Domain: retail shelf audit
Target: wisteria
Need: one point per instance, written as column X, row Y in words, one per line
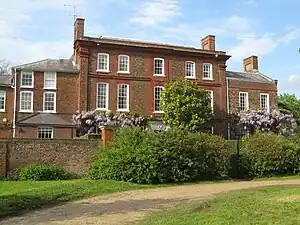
column 275, row 122
column 89, row 122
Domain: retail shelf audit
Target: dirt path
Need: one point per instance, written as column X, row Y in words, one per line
column 126, row 207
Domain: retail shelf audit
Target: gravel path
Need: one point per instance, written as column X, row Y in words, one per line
column 126, row 207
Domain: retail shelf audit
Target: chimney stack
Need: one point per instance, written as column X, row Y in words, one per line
column 209, row 43
column 78, row 29
column 251, row 64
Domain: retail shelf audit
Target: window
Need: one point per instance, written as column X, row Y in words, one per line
column 103, row 62
column 159, row 67
column 49, row 80
column 264, row 102
column 211, row 95
column 102, row 96
column 157, row 98
column 190, row 70
column 45, row 132
column 26, row 79
column 49, row 101
column 26, row 101
column 123, row 97
column 243, row 101
column 207, row 71
column 2, row 100
column 123, row 64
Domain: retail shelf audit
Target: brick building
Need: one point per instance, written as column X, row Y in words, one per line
column 128, row 76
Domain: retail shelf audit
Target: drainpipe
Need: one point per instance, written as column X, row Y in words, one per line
column 15, row 102
column 228, row 110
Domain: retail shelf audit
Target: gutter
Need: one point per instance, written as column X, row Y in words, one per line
column 15, row 102
column 228, row 107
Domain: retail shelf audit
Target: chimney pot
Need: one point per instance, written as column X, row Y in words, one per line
column 251, row 64
column 209, row 43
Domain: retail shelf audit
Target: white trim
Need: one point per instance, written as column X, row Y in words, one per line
column 41, row 127
column 267, row 102
column 32, row 76
column 247, row 100
column 210, row 71
column 3, row 110
column 50, row 88
column 154, row 98
column 194, row 70
column 127, row 99
column 163, row 67
column 30, row 110
column 128, row 65
column 49, row 111
column 107, row 64
column 107, row 96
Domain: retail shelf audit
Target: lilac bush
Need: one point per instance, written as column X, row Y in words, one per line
column 89, row 122
column 275, row 122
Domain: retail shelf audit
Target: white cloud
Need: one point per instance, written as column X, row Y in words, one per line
column 291, row 36
column 156, row 12
column 291, row 83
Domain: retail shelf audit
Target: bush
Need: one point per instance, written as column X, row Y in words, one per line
column 37, row 172
column 168, row 156
column 270, row 154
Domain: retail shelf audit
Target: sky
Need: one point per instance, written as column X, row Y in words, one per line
column 32, row 30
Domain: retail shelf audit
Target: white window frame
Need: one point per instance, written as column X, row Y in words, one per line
column 210, row 71
column 246, row 101
column 25, row 110
column 49, row 111
column 107, row 63
column 157, row 111
column 193, row 71
column 4, row 104
column 128, row 65
column 107, row 96
column 55, row 80
column 267, row 101
column 42, row 127
column 211, row 99
column 127, row 99
column 32, row 77
column 163, row 67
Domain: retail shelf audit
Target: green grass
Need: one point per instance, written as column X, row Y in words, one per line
column 19, row 196
column 261, row 206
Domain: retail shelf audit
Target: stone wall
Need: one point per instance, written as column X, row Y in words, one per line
column 73, row 155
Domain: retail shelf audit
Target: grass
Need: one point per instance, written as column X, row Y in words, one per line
column 260, row 206
column 19, row 196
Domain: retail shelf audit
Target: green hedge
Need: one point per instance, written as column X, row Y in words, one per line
column 168, row 156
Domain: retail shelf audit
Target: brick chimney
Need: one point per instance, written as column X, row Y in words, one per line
column 78, row 29
column 209, row 43
column 251, row 64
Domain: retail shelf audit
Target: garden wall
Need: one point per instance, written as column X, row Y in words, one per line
column 73, row 155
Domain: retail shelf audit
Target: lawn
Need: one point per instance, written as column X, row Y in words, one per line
column 261, row 206
column 18, row 196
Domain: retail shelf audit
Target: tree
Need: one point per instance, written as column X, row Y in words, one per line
column 290, row 104
column 186, row 106
column 4, row 67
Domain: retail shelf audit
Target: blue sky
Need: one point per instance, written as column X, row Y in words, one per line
column 38, row 29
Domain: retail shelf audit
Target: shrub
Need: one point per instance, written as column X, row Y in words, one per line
column 40, row 172
column 168, row 156
column 270, row 154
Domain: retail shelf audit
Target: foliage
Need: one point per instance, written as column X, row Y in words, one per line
column 289, row 103
column 165, row 157
column 19, row 196
column 4, row 67
column 186, row 106
column 40, row 172
column 270, row 154
column 89, row 122
column 275, row 122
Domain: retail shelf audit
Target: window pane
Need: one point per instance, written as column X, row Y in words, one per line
column 124, row 63
column 2, row 100
column 207, row 68
column 49, row 101
column 157, row 98
column 26, row 101
column 190, row 69
column 50, row 80
column 158, row 66
column 123, row 96
column 243, row 100
column 103, row 62
column 45, row 132
column 264, row 101
column 26, row 79
column 102, row 96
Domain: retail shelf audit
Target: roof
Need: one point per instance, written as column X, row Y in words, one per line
column 149, row 44
column 58, row 65
column 46, row 119
column 249, row 76
column 6, row 80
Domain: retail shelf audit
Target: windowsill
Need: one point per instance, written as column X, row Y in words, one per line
column 102, row 71
column 122, row 110
column 192, row 78
column 159, row 112
column 26, row 111
column 26, row 87
column 207, row 79
column 2, row 110
column 123, row 72
column 158, row 75
column 45, row 88
column 101, row 109
column 48, row 111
